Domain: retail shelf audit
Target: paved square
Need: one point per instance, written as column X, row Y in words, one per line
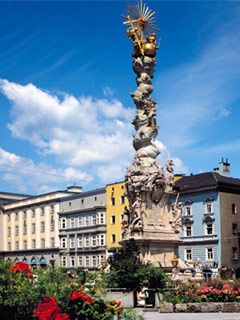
column 191, row 316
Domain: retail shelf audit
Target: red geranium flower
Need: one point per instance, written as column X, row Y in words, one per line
column 48, row 309
column 226, row 287
column 81, row 296
column 21, row 267
column 118, row 303
column 62, row 316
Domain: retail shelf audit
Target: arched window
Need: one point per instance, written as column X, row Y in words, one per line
column 209, row 205
column 42, row 261
column 188, row 208
column 16, row 260
column 25, row 260
column 33, row 261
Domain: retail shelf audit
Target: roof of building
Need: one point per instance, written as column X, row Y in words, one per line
column 8, row 197
column 84, row 194
column 208, row 181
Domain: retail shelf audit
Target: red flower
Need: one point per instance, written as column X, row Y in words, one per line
column 119, row 311
column 21, row 267
column 48, row 309
column 226, row 287
column 81, row 296
column 234, row 291
column 206, row 290
column 118, row 303
column 62, row 316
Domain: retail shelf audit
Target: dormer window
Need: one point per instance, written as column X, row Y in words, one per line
column 188, row 208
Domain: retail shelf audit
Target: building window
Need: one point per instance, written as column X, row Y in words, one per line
column 17, row 245
column 95, row 198
column 80, row 241
column 82, row 201
column 9, row 232
column 209, row 207
column 209, row 254
column 9, row 246
column 87, row 241
column 94, row 240
column 94, row 261
column 72, row 242
column 63, row 243
column 113, row 238
column 42, row 243
column 8, row 217
column 102, row 240
column 113, row 220
column 188, row 210
column 87, row 221
column 94, row 220
column 80, row 221
column 25, row 245
column 42, row 226
column 80, row 261
column 87, row 261
column 188, row 231
column 235, row 253
column 63, row 261
column 16, row 216
column 24, row 227
column 52, row 242
column 24, row 214
column 51, row 209
column 52, row 225
column 72, row 223
column 72, row 260
column 188, row 254
column 33, row 228
column 33, row 213
column 234, row 209
column 63, row 223
column 209, row 228
column 113, row 201
column 34, row 244
column 234, row 229
column 42, row 211
column 16, row 230
column 101, row 218
column 122, row 199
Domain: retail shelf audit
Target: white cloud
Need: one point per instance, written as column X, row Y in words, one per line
column 93, row 135
column 26, row 175
column 165, row 155
column 79, row 131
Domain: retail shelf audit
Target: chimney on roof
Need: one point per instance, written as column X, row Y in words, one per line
column 74, row 189
column 224, row 168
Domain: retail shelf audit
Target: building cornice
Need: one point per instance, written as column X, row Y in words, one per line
column 81, row 210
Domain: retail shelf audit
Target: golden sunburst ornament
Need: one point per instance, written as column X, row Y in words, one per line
column 142, row 31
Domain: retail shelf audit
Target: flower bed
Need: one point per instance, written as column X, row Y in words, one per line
column 51, row 294
column 186, row 294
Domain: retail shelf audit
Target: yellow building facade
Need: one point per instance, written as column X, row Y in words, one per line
column 30, row 228
column 116, row 201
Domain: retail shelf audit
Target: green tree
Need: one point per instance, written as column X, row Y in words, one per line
column 128, row 271
column 124, row 267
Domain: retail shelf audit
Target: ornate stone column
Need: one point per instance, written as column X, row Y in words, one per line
column 151, row 220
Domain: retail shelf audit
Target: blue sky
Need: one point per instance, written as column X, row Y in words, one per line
column 66, row 78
